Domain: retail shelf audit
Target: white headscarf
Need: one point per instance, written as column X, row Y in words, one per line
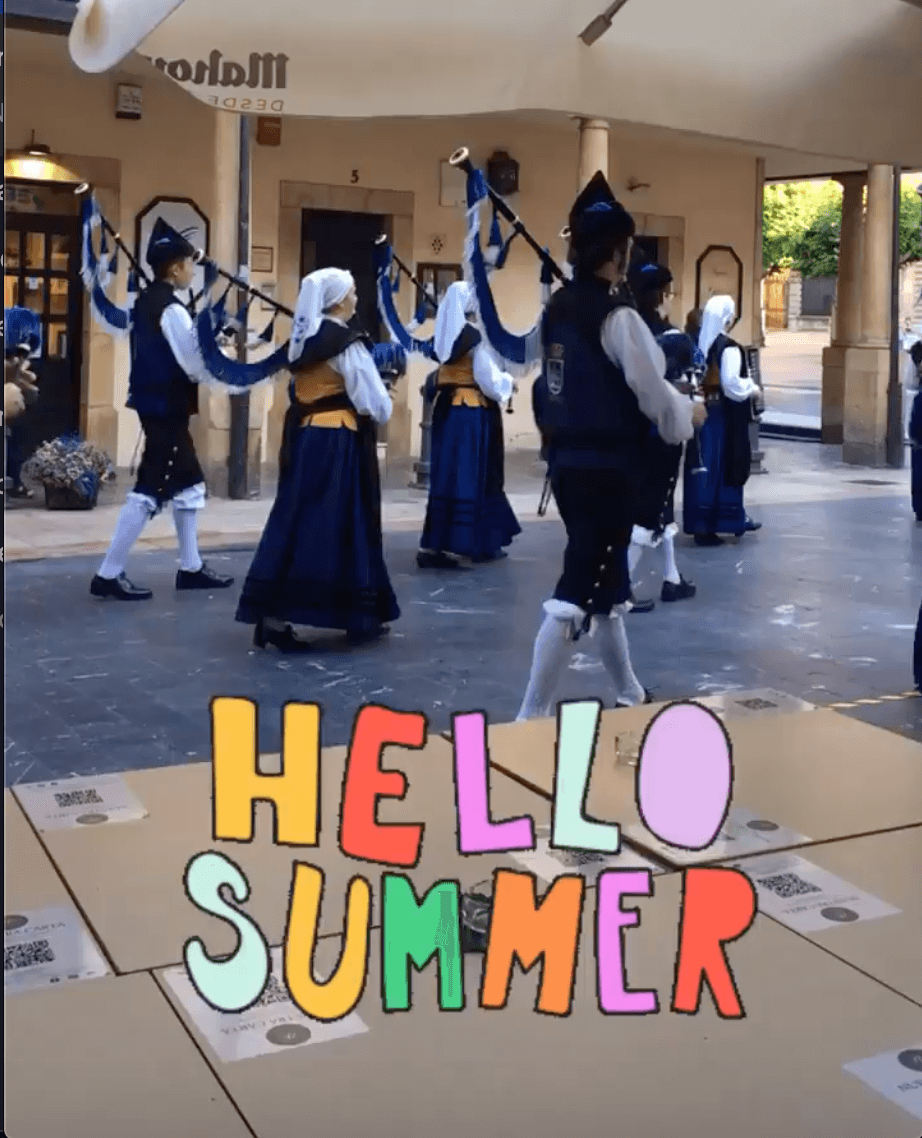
column 719, row 314
column 320, row 292
column 458, row 303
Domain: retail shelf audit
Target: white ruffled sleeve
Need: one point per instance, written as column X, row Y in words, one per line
column 364, row 385
column 179, row 332
column 629, row 344
column 735, row 386
column 495, row 384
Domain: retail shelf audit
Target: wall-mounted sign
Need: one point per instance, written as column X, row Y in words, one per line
column 719, row 272
column 185, row 217
column 262, row 258
column 268, row 131
column 129, row 101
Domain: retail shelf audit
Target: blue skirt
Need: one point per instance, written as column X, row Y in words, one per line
column 320, row 561
column 710, row 506
column 468, row 512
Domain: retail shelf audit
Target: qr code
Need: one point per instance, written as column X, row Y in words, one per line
column 77, row 798
column 274, row 993
column 27, row 955
column 788, row 885
column 583, row 857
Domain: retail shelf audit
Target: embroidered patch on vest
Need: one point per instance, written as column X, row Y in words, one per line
column 554, row 370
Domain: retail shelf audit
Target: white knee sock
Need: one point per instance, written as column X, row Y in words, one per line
column 131, row 522
column 186, row 522
column 670, row 569
column 553, row 648
column 634, row 554
column 616, row 656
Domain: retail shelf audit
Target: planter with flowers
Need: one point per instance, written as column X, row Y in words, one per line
column 71, row 472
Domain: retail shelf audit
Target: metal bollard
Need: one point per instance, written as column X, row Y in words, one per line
column 423, row 468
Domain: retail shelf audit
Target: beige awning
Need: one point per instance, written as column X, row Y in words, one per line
column 825, row 77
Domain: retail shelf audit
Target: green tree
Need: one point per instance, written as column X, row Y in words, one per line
column 789, row 208
column 815, row 251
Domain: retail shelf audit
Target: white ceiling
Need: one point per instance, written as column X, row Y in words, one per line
column 833, row 78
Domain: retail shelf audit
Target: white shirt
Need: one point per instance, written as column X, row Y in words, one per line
column 736, row 387
column 179, row 332
column 630, row 345
column 495, row 384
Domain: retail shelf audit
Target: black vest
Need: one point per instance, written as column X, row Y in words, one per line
column 158, row 388
column 589, row 417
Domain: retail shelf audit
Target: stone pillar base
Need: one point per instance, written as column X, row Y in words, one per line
column 833, row 398
column 867, row 377
column 399, row 433
column 100, row 427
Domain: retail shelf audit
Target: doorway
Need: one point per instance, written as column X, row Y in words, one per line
column 337, row 239
column 42, row 273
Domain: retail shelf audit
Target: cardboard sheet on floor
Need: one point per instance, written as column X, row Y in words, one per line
column 511, row 1072
column 761, row 701
column 108, row 1057
column 45, row 940
column 860, row 899
column 130, row 878
column 798, row 779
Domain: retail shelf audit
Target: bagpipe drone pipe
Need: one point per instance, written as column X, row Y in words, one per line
column 215, row 327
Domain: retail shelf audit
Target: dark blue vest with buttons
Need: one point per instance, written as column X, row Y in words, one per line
column 158, row 388
column 588, row 416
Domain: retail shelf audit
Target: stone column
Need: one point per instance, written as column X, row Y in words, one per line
column 847, row 330
column 867, row 365
column 593, row 149
column 212, row 430
column 758, row 323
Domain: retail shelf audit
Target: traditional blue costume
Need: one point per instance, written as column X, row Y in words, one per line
column 320, row 561
column 166, row 367
column 718, row 461
column 601, row 387
column 22, row 337
column 468, row 514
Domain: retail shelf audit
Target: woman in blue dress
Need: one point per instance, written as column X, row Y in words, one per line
column 468, row 517
column 320, row 562
column 717, row 466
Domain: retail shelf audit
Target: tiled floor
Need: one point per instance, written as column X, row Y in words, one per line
column 821, row 604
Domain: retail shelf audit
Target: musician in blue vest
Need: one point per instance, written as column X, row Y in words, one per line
column 604, row 384
column 651, row 289
column 166, row 366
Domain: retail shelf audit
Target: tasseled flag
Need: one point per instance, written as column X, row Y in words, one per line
column 268, row 333
column 494, row 249
column 395, row 281
column 519, row 354
column 229, row 373
column 388, row 311
column 90, row 266
column 114, row 319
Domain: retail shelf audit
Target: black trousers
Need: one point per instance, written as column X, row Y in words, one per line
column 917, row 653
column 169, row 463
column 598, row 510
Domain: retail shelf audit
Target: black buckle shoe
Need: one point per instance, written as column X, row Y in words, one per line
column 366, row 636
column 751, row 526
column 684, row 591
column 427, row 560
column 118, row 589
column 204, row 579
column 284, row 639
column 642, row 606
